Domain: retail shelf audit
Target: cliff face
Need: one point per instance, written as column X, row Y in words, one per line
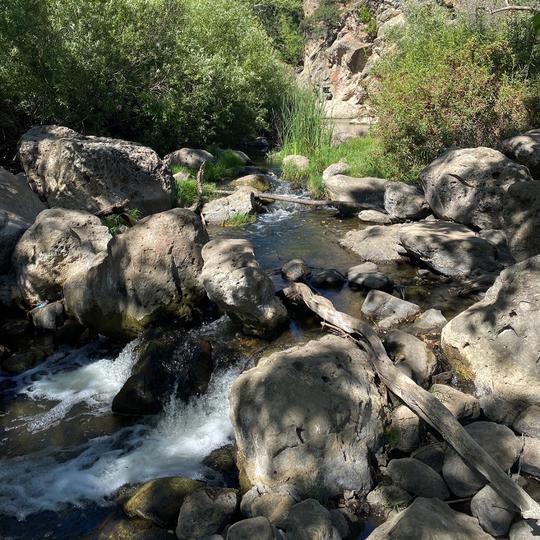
column 340, row 61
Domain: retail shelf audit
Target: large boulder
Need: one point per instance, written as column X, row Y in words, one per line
column 522, row 219
column 309, row 520
column 234, row 280
column 220, row 211
column 417, row 478
column 404, row 201
column 449, row 248
column 493, row 512
column 367, row 190
column 309, row 416
column 79, row 172
column 188, row 157
column 149, row 271
column 59, row 244
column 496, row 342
column 387, row 310
column 19, row 206
column 467, row 185
column 430, row 519
column 525, row 149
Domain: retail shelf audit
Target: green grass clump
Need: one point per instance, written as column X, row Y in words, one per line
column 294, row 174
column 365, row 16
column 114, row 222
column 175, row 169
column 237, row 220
column 186, row 191
column 225, row 165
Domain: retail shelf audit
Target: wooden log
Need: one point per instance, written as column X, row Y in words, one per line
column 117, row 208
column 424, row 404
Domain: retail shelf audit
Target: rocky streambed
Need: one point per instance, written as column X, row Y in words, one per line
column 209, row 405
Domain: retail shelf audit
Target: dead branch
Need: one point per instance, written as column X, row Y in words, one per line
column 515, row 8
column 117, row 208
column 424, row 404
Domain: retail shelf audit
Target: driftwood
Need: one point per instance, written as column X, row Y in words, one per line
column 424, row 404
column 199, row 201
column 117, row 208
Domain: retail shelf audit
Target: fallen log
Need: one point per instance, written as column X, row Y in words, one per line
column 424, row 404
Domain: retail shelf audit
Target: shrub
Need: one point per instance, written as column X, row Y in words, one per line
column 454, row 81
column 186, row 191
column 326, row 16
column 366, row 16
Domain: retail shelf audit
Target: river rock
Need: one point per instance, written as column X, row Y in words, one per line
column 261, row 182
column 405, row 201
column 118, row 527
column 336, row 168
column 467, row 185
column 160, row 500
column 363, row 276
column 461, row 405
column 449, row 248
column 188, row 157
column 417, row 478
column 378, row 243
column 367, row 190
column 524, row 530
column 430, row 322
column 498, row 239
column 384, row 500
column 206, row 511
column 309, row 520
column 80, row 172
column 295, row 270
column 497, row 440
column 234, row 280
column 404, row 429
column 522, row 219
column 150, row 271
column 530, row 457
column 253, row 528
column 496, row 342
column 59, row 244
column 403, row 348
column 493, row 513
column 219, row 211
column 19, row 207
column 286, row 433
column 429, row 519
column 525, row 149
column 374, row 216
column 387, row 310
column 328, row 279
column 299, row 163
column 274, row 505
column 432, row 455
column 48, row 317
column 528, row 422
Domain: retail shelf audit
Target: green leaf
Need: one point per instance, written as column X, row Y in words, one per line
column 536, row 23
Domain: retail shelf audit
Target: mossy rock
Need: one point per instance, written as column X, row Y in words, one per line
column 260, row 182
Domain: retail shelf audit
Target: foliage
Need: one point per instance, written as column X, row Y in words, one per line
column 454, row 80
column 237, row 220
column 161, row 72
column 366, row 16
column 226, row 164
column 175, row 169
column 326, row 16
column 115, row 222
column 186, row 191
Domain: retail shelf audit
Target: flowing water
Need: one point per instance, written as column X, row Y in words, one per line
column 63, row 454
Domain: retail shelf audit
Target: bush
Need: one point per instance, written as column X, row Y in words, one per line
column 161, row 72
column 454, row 81
column 326, row 16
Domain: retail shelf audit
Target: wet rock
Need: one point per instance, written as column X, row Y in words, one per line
column 524, row 530
column 528, row 422
column 234, row 280
column 404, row 429
column 188, row 157
column 36, row 351
column 403, row 348
column 462, row 406
column 374, row 216
column 206, row 511
column 522, row 219
column 160, row 500
column 530, row 457
column 405, row 201
column 417, row 478
column 378, row 243
column 299, row 163
column 497, row 440
column 260, row 182
column 467, row 185
column 387, row 310
column 79, row 172
column 149, row 272
column 295, row 270
column 274, row 505
column 48, row 317
column 10, row 297
column 525, row 149
column 19, row 207
column 328, row 279
column 496, row 342
column 336, row 168
column 118, row 527
column 253, row 528
column 449, row 248
column 364, row 276
column 167, row 359
column 367, row 190
column 494, row 514
column 219, row 211
column 430, row 322
column 432, row 455
column 384, row 500
column 223, row 460
column 309, row 520
column 429, row 519
column 59, row 244
column 340, row 523
column 286, row 433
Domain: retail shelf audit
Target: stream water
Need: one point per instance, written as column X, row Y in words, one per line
column 63, row 453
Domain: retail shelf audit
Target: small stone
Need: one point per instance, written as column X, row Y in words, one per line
column 374, row 216
column 530, row 457
column 417, row 478
column 273, row 505
column 188, row 157
column 258, row 528
column 309, row 520
column 48, row 317
column 335, row 168
column 493, row 512
column 385, row 499
column 260, row 182
column 363, row 277
column 328, row 279
column 431, row 321
column 462, row 406
column 528, row 422
column 295, row 270
column 432, row 455
column 387, row 310
column 404, row 429
column 405, row 201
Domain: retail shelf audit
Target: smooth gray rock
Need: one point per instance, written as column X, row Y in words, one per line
column 525, row 149
column 405, row 201
column 498, row 239
column 48, row 317
column 309, row 520
column 387, row 310
column 497, row 440
column 287, row 434
column 188, row 157
column 206, row 511
column 295, row 270
column 403, row 348
column 404, row 429
column 384, row 500
column 300, row 163
column 467, row 185
column 260, row 182
column 80, row 172
column 528, row 422
column 496, row 341
column 234, row 280
column 363, row 276
column 524, row 530
column 429, row 519
column 328, row 279
column 417, row 478
column 530, row 458
column 432, row 455
column 462, row 406
column 250, row 529
column 367, row 190
column 336, row 168
column 340, row 523
column 274, row 505
column 430, row 321
column 220, row 211
column 374, row 216
column 493, row 513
